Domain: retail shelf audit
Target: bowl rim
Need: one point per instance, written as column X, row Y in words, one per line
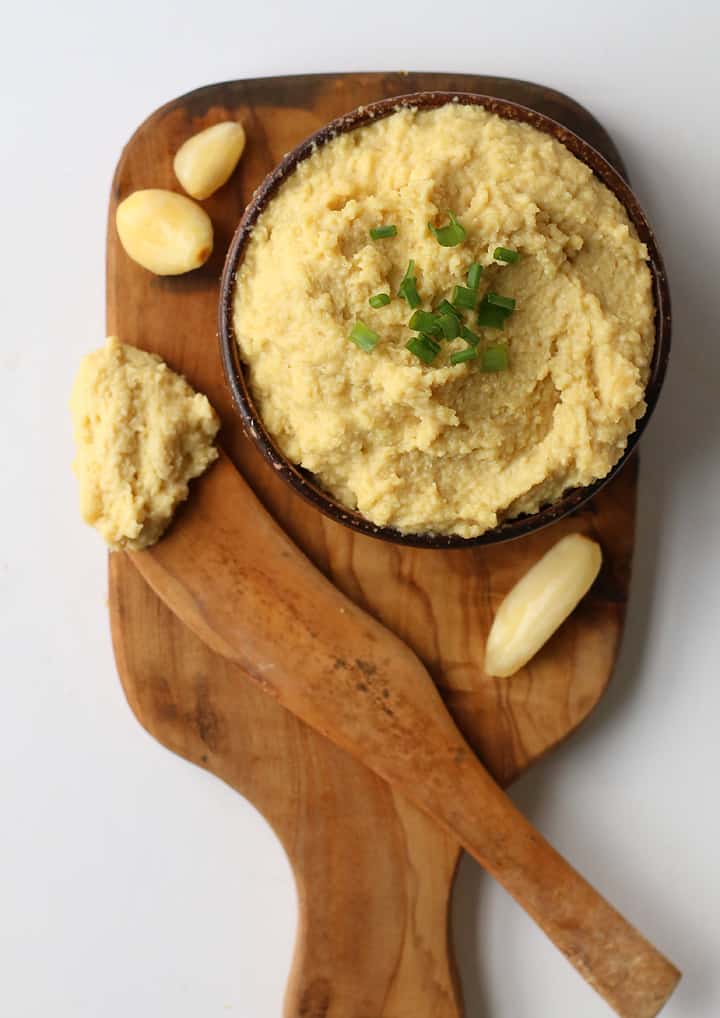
column 301, row 480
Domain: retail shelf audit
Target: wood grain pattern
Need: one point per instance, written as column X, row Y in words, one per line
column 232, row 575
column 373, row 874
column 382, row 852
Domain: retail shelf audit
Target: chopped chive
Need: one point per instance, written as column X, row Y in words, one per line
column 473, row 276
column 363, row 337
column 490, row 316
column 423, row 321
column 408, row 286
column 379, row 300
column 464, row 297
column 495, row 358
column 423, row 347
column 449, row 325
column 469, row 336
column 501, row 302
column 445, row 307
column 505, row 254
column 381, row 232
column 460, row 356
column 450, row 235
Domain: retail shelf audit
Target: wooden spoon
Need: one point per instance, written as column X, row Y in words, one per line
column 232, row 575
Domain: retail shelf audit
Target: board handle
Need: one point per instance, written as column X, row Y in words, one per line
column 373, row 873
column 372, row 938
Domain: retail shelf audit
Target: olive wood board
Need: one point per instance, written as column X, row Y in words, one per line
column 374, row 875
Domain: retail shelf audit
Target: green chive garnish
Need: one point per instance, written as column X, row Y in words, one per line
column 490, row 316
column 363, row 337
column 473, row 276
column 460, row 356
column 379, row 300
column 408, row 286
column 469, row 337
column 505, row 254
column 501, row 302
column 423, row 321
column 495, row 358
column 445, row 307
column 451, row 235
column 423, row 347
column 464, row 297
column 381, row 232
column 449, row 325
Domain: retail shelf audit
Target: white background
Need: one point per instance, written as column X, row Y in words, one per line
column 134, row 884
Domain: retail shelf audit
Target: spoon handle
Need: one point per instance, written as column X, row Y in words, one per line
column 233, row 576
column 635, row 979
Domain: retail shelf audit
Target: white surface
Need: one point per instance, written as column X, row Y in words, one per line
column 131, row 883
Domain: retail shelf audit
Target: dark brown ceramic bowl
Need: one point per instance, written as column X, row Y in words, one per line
column 302, row 481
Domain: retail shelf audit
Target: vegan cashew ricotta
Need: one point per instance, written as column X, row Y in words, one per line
column 141, row 433
column 446, row 447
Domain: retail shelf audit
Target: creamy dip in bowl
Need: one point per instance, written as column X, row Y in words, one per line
column 429, row 445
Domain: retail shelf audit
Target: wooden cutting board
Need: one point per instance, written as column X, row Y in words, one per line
column 373, row 874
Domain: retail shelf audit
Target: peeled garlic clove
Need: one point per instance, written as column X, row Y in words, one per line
column 204, row 162
column 164, row 232
column 540, row 602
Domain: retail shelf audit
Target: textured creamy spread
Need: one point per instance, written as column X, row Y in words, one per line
column 439, row 448
column 141, row 433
